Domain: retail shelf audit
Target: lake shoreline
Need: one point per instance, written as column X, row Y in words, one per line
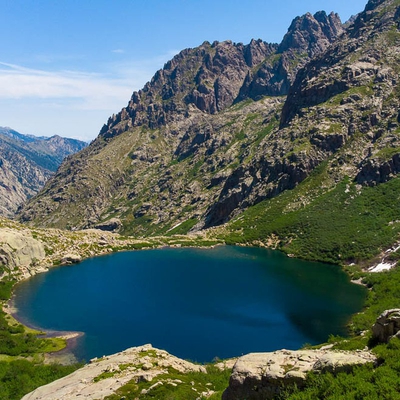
column 65, row 356
column 228, row 263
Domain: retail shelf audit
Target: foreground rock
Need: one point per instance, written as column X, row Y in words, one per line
column 260, row 376
column 102, row 377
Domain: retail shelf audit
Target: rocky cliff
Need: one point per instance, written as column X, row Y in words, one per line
column 214, row 76
column 26, row 163
column 342, row 109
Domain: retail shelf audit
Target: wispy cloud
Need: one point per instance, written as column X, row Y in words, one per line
column 90, row 90
column 118, row 51
column 74, row 102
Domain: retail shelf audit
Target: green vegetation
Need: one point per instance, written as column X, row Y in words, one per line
column 363, row 383
column 362, row 91
column 319, row 220
column 142, row 225
column 6, row 286
column 265, row 131
column 21, row 351
column 21, row 366
column 388, row 152
column 177, row 386
column 346, row 223
column 184, row 227
column 19, row 377
column 15, row 341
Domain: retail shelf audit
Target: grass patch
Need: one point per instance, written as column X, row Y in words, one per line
column 345, row 223
column 184, row 227
column 387, row 153
column 52, row 345
column 357, row 90
column 19, row 377
column 365, row 382
column 20, row 345
column 6, row 286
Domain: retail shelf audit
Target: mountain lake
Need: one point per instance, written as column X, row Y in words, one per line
column 198, row 304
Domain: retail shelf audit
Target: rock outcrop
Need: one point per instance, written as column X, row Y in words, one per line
column 102, row 377
column 342, row 109
column 255, row 376
column 387, row 326
column 262, row 376
column 213, row 76
column 71, row 259
column 112, row 225
column 307, row 36
column 20, row 253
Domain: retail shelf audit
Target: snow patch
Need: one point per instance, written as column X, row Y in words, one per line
column 383, row 266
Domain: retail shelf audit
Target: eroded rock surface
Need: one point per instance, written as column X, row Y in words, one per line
column 261, row 376
column 164, row 159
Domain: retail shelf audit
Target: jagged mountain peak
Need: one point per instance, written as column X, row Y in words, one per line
column 212, row 77
column 372, row 39
column 7, row 131
column 312, row 33
column 183, row 106
column 372, row 4
column 208, row 78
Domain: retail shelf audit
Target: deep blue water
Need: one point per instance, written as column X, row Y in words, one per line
column 195, row 303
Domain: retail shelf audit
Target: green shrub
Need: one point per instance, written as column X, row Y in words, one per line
column 20, row 377
column 343, row 224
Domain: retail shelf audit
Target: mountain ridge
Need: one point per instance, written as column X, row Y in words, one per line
column 27, row 162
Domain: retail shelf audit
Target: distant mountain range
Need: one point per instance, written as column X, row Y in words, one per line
column 26, row 163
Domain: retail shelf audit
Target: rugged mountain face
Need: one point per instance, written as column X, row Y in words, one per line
column 307, row 36
column 214, row 133
column 168, row 153
column 214, row 76
column 26, row 162
column 341, row 109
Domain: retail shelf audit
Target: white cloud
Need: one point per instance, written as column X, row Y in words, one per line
column 70, row 103
column 90, row 91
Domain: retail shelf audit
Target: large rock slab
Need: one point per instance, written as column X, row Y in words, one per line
column 102, row 377
column 261, row 376
column 20, row 252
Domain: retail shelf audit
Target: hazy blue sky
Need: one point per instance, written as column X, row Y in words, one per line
column 67, row 65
